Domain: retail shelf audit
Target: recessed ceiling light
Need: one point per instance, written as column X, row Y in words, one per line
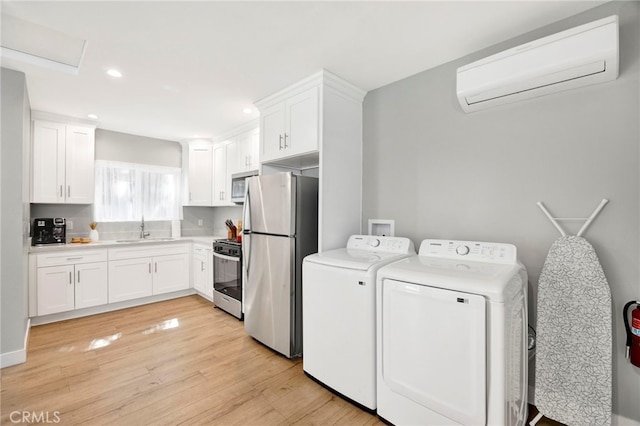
column 247, row 110
column 114, row 73
column 93, row 116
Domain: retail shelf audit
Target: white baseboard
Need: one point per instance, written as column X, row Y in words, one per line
column 17, row 357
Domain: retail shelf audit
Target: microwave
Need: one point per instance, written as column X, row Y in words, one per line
column 239, row 185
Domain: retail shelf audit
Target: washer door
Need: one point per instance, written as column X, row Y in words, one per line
column 433, row 349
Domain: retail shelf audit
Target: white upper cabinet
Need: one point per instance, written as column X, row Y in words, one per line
column 223, row 154
column 290, row 127
column 79, row 165
column 200, row 174
column 248, row 151
column 210, row 165
column 62, row 163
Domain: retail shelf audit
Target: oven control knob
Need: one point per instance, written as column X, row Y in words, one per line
column 462, row 250
column 374, row 242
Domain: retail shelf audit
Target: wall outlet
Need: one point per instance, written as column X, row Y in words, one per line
column 200, row 222
column 69, row 224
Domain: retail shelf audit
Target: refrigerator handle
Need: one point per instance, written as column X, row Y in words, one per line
column 246, row 209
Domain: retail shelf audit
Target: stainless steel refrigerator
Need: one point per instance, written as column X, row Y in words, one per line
column 280, row 229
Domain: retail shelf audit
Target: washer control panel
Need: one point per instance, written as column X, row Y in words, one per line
column 469, row 250
column 379, row 243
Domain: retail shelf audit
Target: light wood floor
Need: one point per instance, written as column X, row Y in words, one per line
column 175, row 362
column 169, row 363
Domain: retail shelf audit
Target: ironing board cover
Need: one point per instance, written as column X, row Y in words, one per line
column 573, row 356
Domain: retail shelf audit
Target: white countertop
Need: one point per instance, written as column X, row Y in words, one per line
column 208, row 239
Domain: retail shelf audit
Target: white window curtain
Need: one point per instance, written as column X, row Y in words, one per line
column 127, row 191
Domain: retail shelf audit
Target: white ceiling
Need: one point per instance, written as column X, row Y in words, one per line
column 191, row 67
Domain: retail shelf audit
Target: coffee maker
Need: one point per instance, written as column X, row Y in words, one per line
column 51, row 230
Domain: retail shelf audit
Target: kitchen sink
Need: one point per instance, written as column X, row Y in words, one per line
column 142, row 240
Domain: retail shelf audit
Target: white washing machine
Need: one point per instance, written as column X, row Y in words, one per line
column 339, row 314
column 452, row 336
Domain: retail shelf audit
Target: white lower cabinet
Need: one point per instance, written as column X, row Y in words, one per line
column 66, row 280
column 72, row 280
column 91, row 285
column 202, row 270
column 130, row 279
column 55, row 289
column 170, row 273
column 140, row 272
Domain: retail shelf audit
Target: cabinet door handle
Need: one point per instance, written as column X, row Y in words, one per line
column 201, row 265
column 61, row 194
column 149, row 267
column 280, row 143
column 69, row 186
column 70, row 277
column 74, row 258
column 78, row 277
column 285, row 141
column 156, row 267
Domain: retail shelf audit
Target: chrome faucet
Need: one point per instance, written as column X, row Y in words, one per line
column 142, row 233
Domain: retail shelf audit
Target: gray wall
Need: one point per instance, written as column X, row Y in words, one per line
column 115, row 146
column 441, row 173
column 14, row 198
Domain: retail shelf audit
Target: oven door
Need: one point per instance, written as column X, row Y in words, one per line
column 227, row 275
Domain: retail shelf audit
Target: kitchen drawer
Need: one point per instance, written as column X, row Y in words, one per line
column 133, row 252
column 70, row 258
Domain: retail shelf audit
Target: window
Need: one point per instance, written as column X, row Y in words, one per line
column 127, row 191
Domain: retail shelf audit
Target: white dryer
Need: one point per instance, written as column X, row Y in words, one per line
column 452, row 336
column 339, row 314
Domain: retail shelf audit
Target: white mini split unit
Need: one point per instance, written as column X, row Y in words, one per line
column 580, row 56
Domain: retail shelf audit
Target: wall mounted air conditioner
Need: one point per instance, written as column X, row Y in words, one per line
column 580, row 56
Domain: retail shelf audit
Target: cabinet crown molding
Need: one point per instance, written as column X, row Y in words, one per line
column 50, row 116
column 238, row 130
column 322, row 78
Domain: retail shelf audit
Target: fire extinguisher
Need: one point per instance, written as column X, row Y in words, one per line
column 633, row 332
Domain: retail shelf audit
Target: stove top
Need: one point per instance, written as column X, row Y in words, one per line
column 231, row 241
column 228, row 247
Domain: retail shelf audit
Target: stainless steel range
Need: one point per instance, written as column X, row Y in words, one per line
column 227, row 276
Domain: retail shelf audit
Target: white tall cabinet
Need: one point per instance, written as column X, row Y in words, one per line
column 63, row 158
column 315, row 127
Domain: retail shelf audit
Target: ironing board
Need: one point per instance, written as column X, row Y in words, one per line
column 574, row 334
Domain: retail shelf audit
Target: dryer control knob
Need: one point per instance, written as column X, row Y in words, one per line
column 374, row 242
column 462, row 250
